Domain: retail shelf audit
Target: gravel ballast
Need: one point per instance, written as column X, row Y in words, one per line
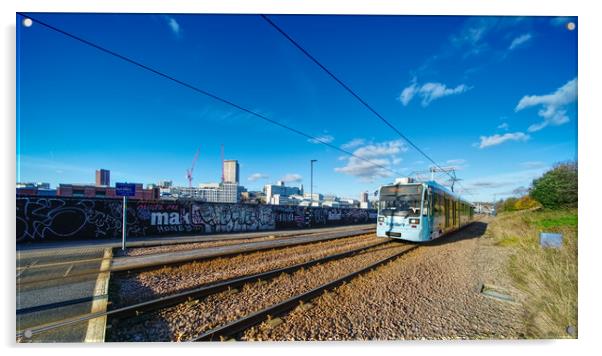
column 191, row 319
column 430, row 293
column 132, row 288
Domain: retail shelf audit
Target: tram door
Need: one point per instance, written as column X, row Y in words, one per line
column 430, row 213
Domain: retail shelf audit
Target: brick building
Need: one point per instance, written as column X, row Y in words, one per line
column 94, row 191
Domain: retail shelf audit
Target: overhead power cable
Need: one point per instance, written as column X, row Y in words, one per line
column 206, row 93
column 348, row 89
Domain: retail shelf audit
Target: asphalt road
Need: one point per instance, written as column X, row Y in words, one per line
column 57, row 298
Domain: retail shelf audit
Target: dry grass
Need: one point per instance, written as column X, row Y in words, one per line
column 547, row 276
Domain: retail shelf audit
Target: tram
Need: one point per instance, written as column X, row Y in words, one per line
column 420, row 211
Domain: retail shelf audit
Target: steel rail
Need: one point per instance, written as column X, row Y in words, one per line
column 170, row 300
column 143, row 266
column 253, row 319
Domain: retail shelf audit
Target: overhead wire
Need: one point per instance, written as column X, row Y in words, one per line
column 206, row 93
column 351, row 91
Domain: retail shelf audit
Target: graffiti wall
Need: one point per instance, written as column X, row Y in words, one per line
column 295, row 216
column 40, row 219
column 54, row 218
column 201, row 218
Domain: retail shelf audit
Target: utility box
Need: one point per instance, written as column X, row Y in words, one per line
column 547, row 239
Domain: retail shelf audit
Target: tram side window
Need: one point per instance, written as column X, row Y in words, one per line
column 445, row 211
column 455, row 212
column 438, row 204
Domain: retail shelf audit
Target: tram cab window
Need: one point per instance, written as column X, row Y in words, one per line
column 401, row 200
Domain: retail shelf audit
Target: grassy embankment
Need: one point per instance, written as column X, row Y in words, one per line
column 548, row 277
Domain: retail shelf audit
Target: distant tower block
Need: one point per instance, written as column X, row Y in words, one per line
column 231, row 171
column 103, row 177
column 363, row 197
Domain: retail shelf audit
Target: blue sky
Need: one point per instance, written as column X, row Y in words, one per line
column 495, row 97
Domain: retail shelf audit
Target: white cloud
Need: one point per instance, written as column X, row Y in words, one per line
column 429, row 92
column 553, row 106
column 520, row 40
column 292, row 178
column 456, row 161
column 503, row 126
column 321, row 139
column 457, row 164
column 473, row 32
column 370, row 160
column 257, row 176
column 353, row 143
column 487, row 141
column 174, row 26
column 407, row 94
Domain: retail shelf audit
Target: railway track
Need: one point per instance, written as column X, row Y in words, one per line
column 87, row 267
column 238, row 326
column 142, row 308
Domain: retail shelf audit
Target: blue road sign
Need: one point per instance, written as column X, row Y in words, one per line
column 550, row 240
column 125, row 189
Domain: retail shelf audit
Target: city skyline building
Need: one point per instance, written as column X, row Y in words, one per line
column 103, row 177
column 97, row 191
column 208, row 192
column 363, row 197
column 280, row 190
column 231, row 171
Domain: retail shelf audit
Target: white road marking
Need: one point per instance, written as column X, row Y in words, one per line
column 26, row 268
column 96, row 327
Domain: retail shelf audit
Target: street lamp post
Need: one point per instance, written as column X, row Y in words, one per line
column 311, row 185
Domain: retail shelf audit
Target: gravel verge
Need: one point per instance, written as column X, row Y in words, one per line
column 430, row 293
column 191, row 319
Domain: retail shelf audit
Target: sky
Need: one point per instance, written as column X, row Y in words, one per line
column 493, row 97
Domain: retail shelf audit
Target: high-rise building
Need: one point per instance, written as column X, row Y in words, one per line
column 363, row 197
column 231, row 171
column 103, row 177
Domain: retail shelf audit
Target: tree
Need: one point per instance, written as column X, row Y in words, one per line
column 508, row 204
column 557, row 188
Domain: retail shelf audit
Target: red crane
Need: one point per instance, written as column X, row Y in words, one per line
column 191, row 169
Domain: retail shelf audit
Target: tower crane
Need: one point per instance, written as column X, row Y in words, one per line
column 191, row 169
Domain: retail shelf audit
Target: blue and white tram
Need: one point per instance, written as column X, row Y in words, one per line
column 420, row 211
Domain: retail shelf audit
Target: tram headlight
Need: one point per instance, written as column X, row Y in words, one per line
column 381, row 219
column 414, row 221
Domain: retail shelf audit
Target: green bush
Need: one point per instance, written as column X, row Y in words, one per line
column 557, row 188
column 509, row 204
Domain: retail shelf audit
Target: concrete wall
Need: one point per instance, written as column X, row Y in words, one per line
column 58, row 218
